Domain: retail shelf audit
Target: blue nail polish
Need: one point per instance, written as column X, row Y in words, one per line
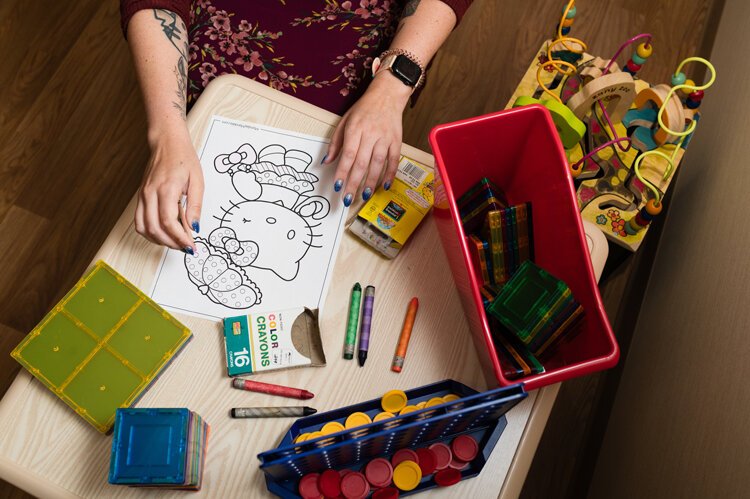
column 196, row 226
column 367, row 194
column 324, row 159
column 338, row 185
column 387, row 186
column 347, row 200
column 188, row 250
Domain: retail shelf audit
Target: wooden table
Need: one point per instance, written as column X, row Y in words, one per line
column 50, row 451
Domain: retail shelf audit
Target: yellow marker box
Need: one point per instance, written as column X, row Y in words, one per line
column 387, row 220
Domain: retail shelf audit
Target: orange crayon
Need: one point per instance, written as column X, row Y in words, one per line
column 403, row 339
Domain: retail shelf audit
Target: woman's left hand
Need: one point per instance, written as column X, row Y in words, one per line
column 368, row 138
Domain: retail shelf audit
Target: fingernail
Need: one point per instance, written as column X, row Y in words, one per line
column 196, row 226
column 347, row 200
column 337, row 186
column 188, row 250
column 367, row 193
column 324, row 159
column 387, row 186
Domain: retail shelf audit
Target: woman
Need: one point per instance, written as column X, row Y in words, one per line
column 321, row 51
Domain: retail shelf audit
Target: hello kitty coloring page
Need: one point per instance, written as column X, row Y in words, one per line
column 271, row 225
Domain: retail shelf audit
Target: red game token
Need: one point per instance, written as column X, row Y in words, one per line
column 354, row 486
column 465, row 448
column 308, row 486
column 458, row 464
column 386, row 493
column 329, row 483
column 379, row 472
column 446, row 478
column 404, row 455
column 427, row 461
column 344, row 472
column 443, row 455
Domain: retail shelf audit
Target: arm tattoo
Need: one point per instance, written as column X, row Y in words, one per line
column 174, row 29
column 409, row 9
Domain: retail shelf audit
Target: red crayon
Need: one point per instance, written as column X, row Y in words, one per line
column 281, row 391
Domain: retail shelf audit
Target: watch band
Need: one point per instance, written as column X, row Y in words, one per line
column 386, row 59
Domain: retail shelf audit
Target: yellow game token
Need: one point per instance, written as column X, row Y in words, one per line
column 408, row 409
column 450, row 397
column 393, row 401
column 314, row 435
column 421, row 405
column 435, row 401
column 301, row 438
column 381, row 416
column 406, row 475
column 357, row 419
column 332, row 427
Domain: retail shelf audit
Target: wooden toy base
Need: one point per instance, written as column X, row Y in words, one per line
column 608, row 191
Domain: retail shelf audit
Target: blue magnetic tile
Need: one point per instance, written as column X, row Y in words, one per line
column 149, row 446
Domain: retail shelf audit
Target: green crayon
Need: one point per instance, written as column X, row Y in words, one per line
column 351, row 324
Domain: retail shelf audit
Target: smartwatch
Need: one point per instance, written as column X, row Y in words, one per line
column 402, row 66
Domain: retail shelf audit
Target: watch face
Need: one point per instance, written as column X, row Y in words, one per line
column 406, row 70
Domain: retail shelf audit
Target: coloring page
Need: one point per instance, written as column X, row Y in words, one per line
column 270, row 226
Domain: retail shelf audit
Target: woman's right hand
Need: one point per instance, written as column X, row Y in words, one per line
column 173, row 171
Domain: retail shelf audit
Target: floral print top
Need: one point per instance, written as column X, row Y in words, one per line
column 320, row 51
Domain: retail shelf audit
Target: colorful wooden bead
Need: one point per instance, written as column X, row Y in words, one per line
column 646, row 216
column 637, row 59
column 652, row 208
column 689, row 89
column 692, row 104
column 565, row 30
column 567, row 22
column 571, row 13
column 696, row 96
column 639, row 220
column 633, row 67
column 678, row 79
column 629, row 229
column 644, row 50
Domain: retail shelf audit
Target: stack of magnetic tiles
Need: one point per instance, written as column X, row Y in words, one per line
column 500, row 236
column 537, row 309
column 530, row 311
column 163, row 448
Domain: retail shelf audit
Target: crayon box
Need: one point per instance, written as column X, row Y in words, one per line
column 269, row 341
column 387, row 220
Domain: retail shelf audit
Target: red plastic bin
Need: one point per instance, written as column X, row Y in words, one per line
column 520, row 151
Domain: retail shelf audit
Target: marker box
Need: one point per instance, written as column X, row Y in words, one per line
column 390, row 217
column 269, row 341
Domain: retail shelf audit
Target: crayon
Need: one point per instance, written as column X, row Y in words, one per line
column 351, row 324
column 364, row 332
column 403, row 339
column 271, row 389
column 272, row 412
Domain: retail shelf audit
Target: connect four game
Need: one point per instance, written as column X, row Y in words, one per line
column 101, row 346
column 462, row 412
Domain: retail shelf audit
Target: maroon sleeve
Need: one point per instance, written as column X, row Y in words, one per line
column 459, row 7
column 129, row 7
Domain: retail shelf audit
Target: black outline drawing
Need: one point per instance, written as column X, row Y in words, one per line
column 219, row 279
column 272, row 226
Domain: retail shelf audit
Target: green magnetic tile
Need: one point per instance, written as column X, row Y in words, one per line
column 526, row 298
column 146, row 338
column 103, row 385
column 563, row 302
column 58, row 348
column 101, row 302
